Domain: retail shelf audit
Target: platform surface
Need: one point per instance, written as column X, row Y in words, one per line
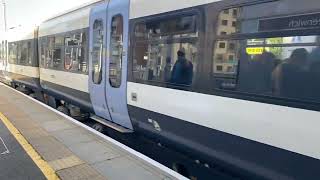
column 72, row 151
column 14, row 161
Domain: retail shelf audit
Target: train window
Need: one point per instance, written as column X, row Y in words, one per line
column 224, row 27
column 286, row 66
column 70, row 51
column 75, row 60
column 12, row 52
column 69, row 58
column 81, row 55
column 23, row 53
column 59, row 41
column 116, row 47
column 97, row 51
column 30, row 52
column 51, row 42
column 80, row 64
column 56, row 60
column 42, row 49
column 50, row 55
column 81, row 60
column 170, row 58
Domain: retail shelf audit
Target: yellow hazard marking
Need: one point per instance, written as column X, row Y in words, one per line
column 48, row 172
column 254, row 50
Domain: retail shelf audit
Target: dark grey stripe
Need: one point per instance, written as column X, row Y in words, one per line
column 30, row 82
column 72, row 96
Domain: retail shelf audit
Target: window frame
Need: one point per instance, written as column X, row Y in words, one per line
column 199, row 18
column 120, row 60
column 101, row 53
column 44, row 50
column 262, row 98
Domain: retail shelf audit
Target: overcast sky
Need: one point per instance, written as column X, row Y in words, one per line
column 30, row 12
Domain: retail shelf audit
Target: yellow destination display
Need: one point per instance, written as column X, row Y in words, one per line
column 254, row 50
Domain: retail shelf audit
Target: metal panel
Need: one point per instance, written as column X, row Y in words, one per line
column 117, row 96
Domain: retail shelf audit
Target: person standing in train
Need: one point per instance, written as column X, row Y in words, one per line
column 182, row 72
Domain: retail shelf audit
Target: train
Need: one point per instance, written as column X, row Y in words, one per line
column 232, row 83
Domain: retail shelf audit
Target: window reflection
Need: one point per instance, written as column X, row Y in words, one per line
column 228, row 21
column 116, row 49
column 163, row 63
column 284, row 66
column 166, row 51
column 97, row 51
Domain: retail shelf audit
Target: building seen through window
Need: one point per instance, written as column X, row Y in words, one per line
column 225, row 53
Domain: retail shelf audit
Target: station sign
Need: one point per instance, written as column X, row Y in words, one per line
column 307, row 21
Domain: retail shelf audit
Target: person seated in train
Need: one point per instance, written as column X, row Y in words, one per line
column 313, row 76
column 290, row 76
column 182, row 72
column 256, row 74
column 261, row 69
column 313, row 81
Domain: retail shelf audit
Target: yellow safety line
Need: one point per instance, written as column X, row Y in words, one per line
column 48, row 172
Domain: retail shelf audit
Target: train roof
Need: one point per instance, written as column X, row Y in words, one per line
column 73, row 19
column 78, row 17
column 141, row 8
column 69, row 11
column 21, row 33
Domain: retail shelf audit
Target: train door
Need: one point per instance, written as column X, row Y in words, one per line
column 97, row 60
column 116, row 84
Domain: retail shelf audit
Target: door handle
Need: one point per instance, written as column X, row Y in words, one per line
column 52, row 76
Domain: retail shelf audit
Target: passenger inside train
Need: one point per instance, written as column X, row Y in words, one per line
column 182, row 72
column 294, row 77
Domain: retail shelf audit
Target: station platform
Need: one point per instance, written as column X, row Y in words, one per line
column 38, row 142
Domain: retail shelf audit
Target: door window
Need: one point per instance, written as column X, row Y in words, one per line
column 97, row 51
column 116, row 47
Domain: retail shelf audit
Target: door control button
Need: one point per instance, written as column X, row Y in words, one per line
column 134, row 97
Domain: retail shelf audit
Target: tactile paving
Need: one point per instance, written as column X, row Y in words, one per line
column 81, row 172
column 65, row 163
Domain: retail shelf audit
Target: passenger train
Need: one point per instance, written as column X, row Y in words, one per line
column 232, row 83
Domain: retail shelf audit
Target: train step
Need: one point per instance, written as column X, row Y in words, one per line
column 111, row 124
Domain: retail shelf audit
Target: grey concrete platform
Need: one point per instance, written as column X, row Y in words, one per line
column 73, row 151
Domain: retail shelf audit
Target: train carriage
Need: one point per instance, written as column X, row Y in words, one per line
column 234, row 84
column 253, row 101
column 21, row 68
column 64, row 57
